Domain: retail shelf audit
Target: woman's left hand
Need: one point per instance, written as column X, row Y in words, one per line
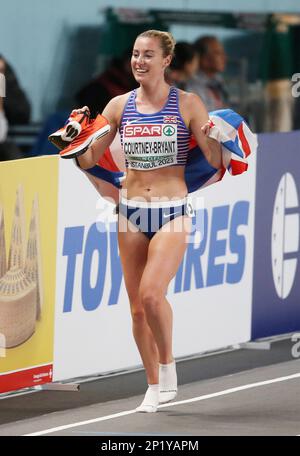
column 206, row 127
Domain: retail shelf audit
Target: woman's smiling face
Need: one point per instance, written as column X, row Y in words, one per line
column 148, row 61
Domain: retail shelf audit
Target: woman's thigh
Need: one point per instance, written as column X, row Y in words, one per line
column 133, row 247
column 165, row 253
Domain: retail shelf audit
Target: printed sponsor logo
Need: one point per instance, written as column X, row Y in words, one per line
column 169, row 130
column 171, row 215
column 285, row 235
column 218, row 236
column 139, row 131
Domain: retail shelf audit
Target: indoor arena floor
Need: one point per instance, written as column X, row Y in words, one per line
column 259, row 401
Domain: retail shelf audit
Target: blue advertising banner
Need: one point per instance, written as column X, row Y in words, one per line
column 276, row 274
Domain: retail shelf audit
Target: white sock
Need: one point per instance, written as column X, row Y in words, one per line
column 167, row 382
column 150, row 401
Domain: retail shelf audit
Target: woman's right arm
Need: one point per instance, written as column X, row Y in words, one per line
column 112, row 113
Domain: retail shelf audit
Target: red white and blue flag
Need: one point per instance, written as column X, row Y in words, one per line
column 228, row 127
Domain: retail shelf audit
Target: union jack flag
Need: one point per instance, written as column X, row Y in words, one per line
column 170, row 119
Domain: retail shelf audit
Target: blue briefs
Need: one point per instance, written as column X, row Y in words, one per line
column 149, row 217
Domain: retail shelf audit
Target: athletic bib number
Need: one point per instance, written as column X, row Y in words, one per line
column 148, row 146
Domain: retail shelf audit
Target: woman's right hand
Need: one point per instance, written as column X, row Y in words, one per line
column 81, row 110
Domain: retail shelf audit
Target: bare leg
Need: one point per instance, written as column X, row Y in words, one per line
column 147, row 347
column 162, row 264
column 160, row 321
column 152, row 315
column 133, row 253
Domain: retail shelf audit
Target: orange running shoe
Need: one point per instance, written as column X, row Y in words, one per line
column 96, row 128
column 72, row 128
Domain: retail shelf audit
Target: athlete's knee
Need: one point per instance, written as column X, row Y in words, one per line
column 137, row 311
column 150, row 297
column 138, row 316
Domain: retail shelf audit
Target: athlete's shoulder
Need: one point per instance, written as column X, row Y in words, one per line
column 115, row 107
column 122, row 98
column 191, row 107
column 119, row 100
column 189, row 99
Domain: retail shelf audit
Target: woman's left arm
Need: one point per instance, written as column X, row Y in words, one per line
column 199, row 118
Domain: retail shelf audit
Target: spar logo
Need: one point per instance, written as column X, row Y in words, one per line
column 169, row 130
column 139, row 131
column 285, row 235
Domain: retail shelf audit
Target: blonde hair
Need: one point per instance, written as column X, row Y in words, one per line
column 166, row 39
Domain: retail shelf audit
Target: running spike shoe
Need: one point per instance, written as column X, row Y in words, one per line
column 72, row 128
column 96, row 129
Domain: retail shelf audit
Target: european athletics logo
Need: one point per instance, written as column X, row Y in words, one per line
column 276, row 287
column 285, row 235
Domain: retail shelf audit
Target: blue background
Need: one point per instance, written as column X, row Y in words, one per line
column 277, row 154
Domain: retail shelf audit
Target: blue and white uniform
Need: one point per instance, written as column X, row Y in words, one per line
column 152, row 141
column 157, row 140
column 230, row 129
